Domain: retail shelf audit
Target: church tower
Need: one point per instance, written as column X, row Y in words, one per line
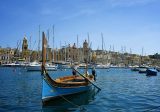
column 85, row 50
column 25, row 51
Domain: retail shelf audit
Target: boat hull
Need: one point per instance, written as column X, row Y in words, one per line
column 151, row 72
column 38, row 68
column 134, row 69
column 50, row 92
column 142, row 70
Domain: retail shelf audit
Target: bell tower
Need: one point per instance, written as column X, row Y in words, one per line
column 85, row 50
column 25, row 51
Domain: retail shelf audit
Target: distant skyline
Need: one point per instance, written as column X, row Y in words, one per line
column 127, row 24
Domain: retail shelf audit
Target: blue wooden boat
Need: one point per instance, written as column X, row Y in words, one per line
column 151, row 72
column 60, row 87
column 63, row 86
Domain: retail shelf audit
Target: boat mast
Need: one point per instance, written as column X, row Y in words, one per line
column 44, row 46
column 48, row 38
column 77, row 49
column 65, row 51
column 30, row 49
column 39, row 45
column 48, row 46
column 142, row 57
column 60, row 52
column 88, row 56
column 53, row 43
column 102, row 47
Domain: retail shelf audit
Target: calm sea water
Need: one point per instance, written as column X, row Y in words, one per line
column 122, row 91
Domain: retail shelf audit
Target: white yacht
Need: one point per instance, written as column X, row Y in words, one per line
column 35, row 66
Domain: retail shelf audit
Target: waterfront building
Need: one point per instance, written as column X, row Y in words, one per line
column 34, row 56
column 103, row 56
column 94, row 57
column 72, row 53
column 49, row 56
column 6, row 55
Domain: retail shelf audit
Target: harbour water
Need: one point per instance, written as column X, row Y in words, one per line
column 122, row 91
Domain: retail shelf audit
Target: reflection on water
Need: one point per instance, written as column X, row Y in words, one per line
column 70, row 103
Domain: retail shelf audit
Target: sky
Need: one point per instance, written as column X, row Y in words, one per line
column 125, row 24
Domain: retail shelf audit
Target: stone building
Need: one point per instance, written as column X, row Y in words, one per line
column 6, row 55
column 72, row 53
column 49, row 56
column 25, row 51
column 34, row 56
column 85, row 50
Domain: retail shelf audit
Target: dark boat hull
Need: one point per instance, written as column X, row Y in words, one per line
column 150, row 72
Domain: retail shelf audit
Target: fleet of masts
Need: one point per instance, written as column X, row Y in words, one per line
column 65, row 62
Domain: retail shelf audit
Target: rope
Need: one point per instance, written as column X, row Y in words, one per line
column 70, row 102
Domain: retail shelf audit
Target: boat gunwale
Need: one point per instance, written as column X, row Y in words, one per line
column 53, row 83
